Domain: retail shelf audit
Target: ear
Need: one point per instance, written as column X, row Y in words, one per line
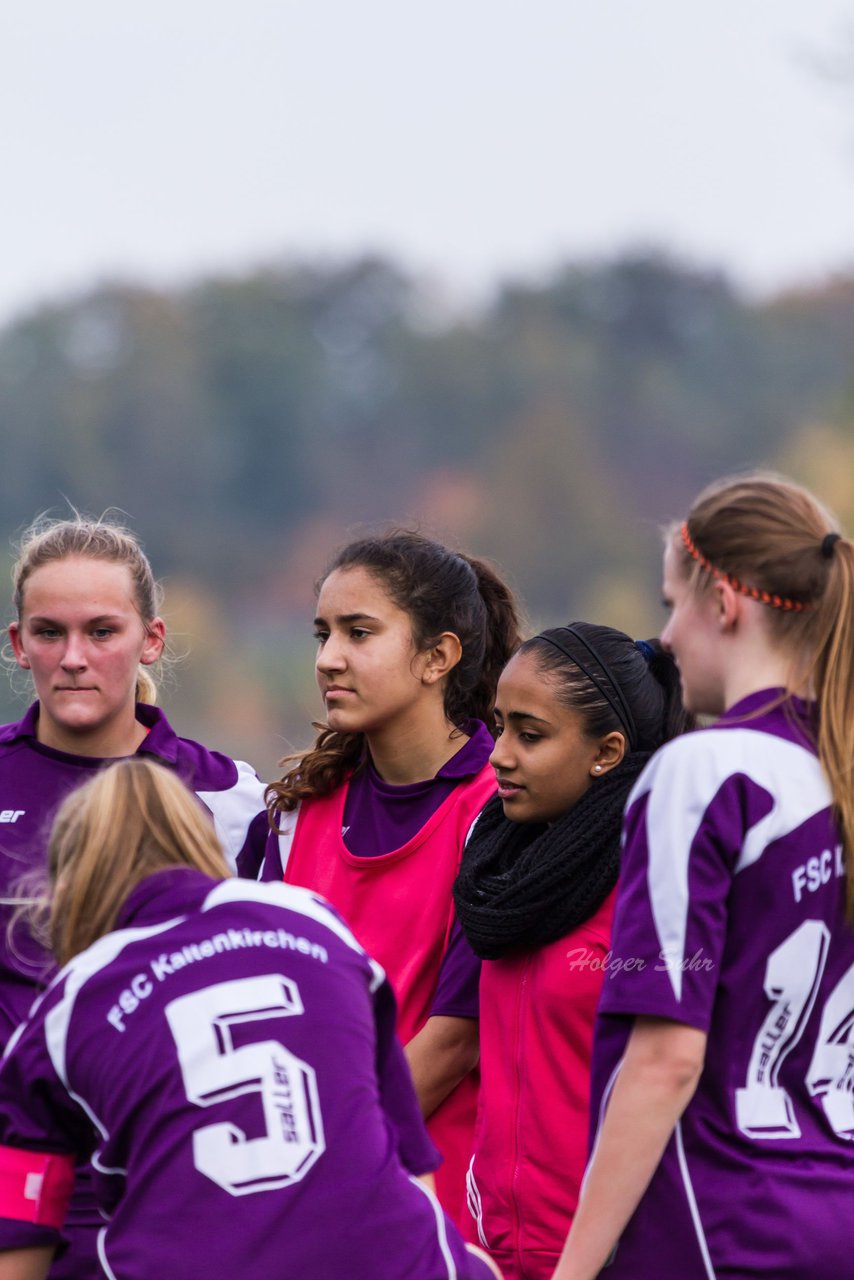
column 441, row 658
column 17, row 647
column 728, row 603
column 609, row 753
column 155, row 639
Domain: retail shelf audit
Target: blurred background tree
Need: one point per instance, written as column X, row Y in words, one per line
column 247, row 425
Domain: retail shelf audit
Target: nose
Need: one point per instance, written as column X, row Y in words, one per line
column 501, row 756
column 330, row 656
column 74, row 654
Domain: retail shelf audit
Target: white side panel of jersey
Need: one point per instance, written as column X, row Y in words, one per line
column 80, row 970
column 302, row 901
column 234, row 809
column 287, row 825
column 693, row 1207
column 683, row 779
column 441, row 1232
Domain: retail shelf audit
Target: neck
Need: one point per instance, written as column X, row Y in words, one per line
column 416, row 751
column 763, row 668
column 108, row 742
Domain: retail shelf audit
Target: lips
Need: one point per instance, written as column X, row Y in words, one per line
column 508, row 789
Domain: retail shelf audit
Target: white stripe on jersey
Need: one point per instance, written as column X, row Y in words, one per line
column 80, row 970
column 440, row 1228
column 692, row 1203
column 234, row 809
column 303, row 901
column 474, row 1203
column 287, row 825
column 102, row 1255
column 683, row 779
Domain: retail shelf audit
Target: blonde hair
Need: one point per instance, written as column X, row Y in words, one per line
column 134, row 818
column 766, row 533
column 48, row 540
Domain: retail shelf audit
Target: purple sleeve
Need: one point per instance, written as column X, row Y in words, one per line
column 251, row 858
column 457, row 992
column 683, row 831
column 37, row 1114
column 397, row 1092
column 26, row 1235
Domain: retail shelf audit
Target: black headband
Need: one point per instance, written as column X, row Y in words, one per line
column 615, row 699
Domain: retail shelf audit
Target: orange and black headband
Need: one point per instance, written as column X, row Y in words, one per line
column 764, row 597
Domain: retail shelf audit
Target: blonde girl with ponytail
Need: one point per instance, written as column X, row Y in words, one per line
column 722, row 1078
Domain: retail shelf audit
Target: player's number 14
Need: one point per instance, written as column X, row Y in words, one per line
column 792, row 977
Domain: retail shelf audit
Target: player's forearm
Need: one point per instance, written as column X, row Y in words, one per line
column 25, row 1264
column 660, row 1072
column 443, row 1052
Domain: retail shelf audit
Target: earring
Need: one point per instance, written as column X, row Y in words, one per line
column 597, row 768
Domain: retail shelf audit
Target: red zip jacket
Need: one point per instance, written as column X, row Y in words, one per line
column 536, row 1034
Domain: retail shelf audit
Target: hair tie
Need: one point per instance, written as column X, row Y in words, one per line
column 646, row 649
column 827, row 543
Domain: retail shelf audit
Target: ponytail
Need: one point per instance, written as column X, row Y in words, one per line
column 469, row 698
column 662, row 667
column 832, row 676
column 146, row 688
column 440, row 590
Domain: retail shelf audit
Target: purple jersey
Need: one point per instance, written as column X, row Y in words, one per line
column 228, row 1057
column 34, row 780
column 730, row 918
column 381, row 816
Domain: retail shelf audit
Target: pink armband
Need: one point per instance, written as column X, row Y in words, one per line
column 35, row 1187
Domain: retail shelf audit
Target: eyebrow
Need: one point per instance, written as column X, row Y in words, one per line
column 522, row 715
column 344, row 618
column 42, row 618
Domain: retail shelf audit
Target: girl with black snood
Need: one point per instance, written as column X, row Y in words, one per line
column 579, row 710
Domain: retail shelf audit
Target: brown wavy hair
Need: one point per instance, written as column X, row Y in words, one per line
column 440, row 590
column 768, row 532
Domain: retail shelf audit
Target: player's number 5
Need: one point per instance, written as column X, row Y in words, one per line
column 214, row 1070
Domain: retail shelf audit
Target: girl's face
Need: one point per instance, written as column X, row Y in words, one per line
column 368, row 669
column 693, row 635
column 543, row 761
column 82, row 637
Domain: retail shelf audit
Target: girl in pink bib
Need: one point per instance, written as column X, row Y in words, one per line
column 411, row 640
column 578, row 711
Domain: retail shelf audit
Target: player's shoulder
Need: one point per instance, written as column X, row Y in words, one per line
column 290, row 907
column 202, row 768
column 694, row 767
column 206, row 769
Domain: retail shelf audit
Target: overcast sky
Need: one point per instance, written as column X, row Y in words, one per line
column 474, row 139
